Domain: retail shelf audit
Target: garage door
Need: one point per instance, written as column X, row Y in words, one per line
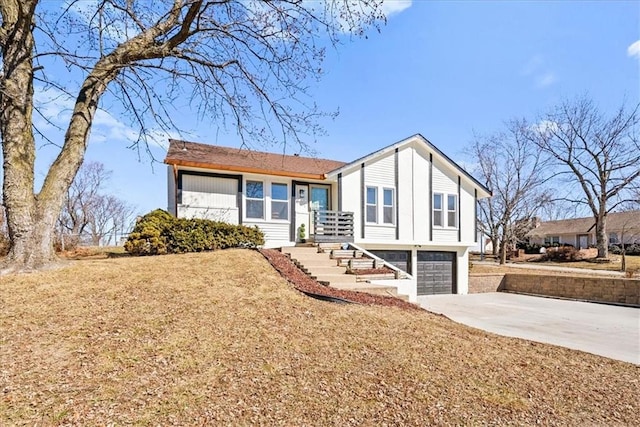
column 436, row 273
column 399, row 259
column 210, row 197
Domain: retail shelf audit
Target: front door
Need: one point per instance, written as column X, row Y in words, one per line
column 302, row 212
column 583, row 241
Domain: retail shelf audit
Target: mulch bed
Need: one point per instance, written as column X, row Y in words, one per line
column 302, row 282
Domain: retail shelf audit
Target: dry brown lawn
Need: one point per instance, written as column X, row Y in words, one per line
column 633, row 267
column 221, row 339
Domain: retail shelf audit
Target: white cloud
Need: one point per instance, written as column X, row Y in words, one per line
column 545, row 80
column 538, row 70
column 545, row 126
column 391, row 7
column 634, row 49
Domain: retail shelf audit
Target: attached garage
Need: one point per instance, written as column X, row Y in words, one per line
column 399, row 259
column 210, row 196
column 436, row 273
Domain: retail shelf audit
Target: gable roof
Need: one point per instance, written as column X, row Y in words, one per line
column 616, row 221
column 193, row 154
column 422, row 140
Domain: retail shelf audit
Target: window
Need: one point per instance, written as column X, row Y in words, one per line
column 452, row 210
column 372, row 204
column 552, row 240
column 613, row 238
column 388, row 211
column 255, row 199
column 437, row 209
column 279, row 201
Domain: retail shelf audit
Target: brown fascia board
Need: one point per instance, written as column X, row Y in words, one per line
column 245, row 169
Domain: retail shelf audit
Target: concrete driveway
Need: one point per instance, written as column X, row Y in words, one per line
column 605, row 330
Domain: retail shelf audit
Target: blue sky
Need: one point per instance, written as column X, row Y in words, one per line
column 442, row 69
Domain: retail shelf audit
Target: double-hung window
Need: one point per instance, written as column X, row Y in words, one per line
column 255, row 199
column 437, row 210
column 279, row 201
column 388, row 206
column 372, row 204
column 452, row 210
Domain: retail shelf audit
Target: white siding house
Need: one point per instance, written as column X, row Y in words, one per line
column 407, row 203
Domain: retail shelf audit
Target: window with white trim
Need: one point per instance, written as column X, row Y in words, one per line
column 372, row 204
column 388, row 206
column 254, row 205
column 613, row 238
column 437, row 210
column 279, row 201
column 552, row 240
column 452, row 210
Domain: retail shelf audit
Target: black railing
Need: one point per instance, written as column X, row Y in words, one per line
column 332, row 226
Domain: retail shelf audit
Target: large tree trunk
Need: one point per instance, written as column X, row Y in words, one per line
column 31, row 218
column 602, row 241
column 503, row 251
column 30, row 228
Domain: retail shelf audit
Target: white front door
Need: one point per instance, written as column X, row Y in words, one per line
column 583, row 241
column 302, row 211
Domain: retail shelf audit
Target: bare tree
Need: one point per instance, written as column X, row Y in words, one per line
column 89, row 212
column 601, row 154
column 512, row 168
column 83, row 198
column 248, row 62
column 110, row 216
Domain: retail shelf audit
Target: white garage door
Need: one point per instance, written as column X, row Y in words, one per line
column 210, row 197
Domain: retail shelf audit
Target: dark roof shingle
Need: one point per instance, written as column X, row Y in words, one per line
column 616, row 221
column 207, row 156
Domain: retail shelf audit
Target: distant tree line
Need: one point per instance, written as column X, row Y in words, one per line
column 90, row 215
column 573, row 160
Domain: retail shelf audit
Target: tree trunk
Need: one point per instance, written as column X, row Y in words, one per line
column 494, row 246
column 30, row 227
column 602, row 242
column 503, row 252
column 31, row 218
column 34, row 247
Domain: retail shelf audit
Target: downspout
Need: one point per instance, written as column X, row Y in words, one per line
column 175, row 189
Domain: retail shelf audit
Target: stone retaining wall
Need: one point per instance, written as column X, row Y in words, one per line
column 482, row 283
column 601, row 289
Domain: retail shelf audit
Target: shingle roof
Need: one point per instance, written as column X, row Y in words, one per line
column 184, row 153
column 616, row 221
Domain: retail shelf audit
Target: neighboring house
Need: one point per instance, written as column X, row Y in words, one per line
column 483, row 244
column 407, row 203
column 581, row 232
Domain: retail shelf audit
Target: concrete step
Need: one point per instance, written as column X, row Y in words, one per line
column 366, row 277
column 301, row 251
column 335, row 278
column 323, row 270
column 368, row 288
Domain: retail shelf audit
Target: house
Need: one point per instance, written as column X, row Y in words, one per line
column 581, row 232
column 407, row 203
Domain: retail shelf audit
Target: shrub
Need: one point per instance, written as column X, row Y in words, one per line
column 633, row 249
column 563, row 253
column 615, row 249
column 530, row 248
column 159, row 232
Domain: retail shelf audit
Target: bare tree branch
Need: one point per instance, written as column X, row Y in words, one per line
column 602, row 154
